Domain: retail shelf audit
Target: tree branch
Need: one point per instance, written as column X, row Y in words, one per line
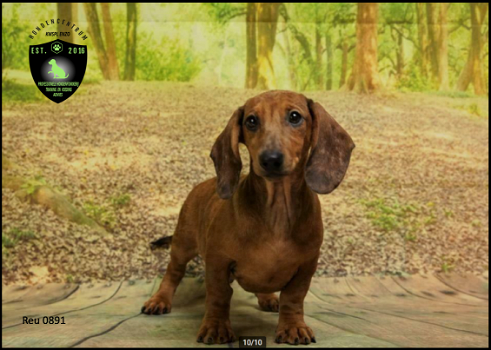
column 302, row 39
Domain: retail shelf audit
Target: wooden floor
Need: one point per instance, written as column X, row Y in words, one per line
column 434, row 311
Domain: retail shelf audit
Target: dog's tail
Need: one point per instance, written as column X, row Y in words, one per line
column 67, row 75
column 163, row 242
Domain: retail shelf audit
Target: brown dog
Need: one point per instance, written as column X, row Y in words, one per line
column 264, row 229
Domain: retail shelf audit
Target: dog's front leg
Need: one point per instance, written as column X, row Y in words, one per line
column 215, row 327
column 291, row 326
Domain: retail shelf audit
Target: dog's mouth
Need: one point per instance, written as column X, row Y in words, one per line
column 274, row 174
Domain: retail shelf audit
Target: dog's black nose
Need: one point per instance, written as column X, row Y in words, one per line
column 271, row 160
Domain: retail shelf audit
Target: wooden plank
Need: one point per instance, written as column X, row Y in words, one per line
column 430, row 288
column 42, row 294
column 327, row 334
column 388, row 292
column 13, row 293
column 84, row 323
column 336, row 290
column 87, row 295
column 468, row 284
column 348, row 312
column 470, row 319
column 439, row 306
column 180, row 327
column 394, row 329
column 181, row 331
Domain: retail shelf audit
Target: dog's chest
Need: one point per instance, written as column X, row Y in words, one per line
column 268, row 267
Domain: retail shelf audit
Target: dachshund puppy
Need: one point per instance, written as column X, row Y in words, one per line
column 264, row 229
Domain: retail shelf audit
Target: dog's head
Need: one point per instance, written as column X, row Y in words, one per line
column 284, row 132
column 52, row 61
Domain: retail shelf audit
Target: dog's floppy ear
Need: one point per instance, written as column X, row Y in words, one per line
column 330, row 151
column 225, row 155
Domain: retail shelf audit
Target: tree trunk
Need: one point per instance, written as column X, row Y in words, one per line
column 344, row 64
column 251, row 60
column 400, row 55
column 75, row 19
column 65, row 13
column 304, row 43
column 436, row 14
column 267, row 14
column 443, row 48
column 422, row 38
column 472, row 71
column 110, row 43
column 318, row 58
column 94, row 29
column 364, row 77
column 292, row 69
column 329, row 62
column 130, row 59
column 307, row 54
column 433, row 38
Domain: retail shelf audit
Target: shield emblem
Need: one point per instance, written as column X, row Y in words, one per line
column 58, row 68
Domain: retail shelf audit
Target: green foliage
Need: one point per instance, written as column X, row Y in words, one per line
column 475, row 110
column 447, row 266
column 223, row 12
column 336, row 20
column 13, row 92
column 448, row 213
column 15, row 235
column 410, row 237
column 203, row 39
column 386, row 216
column 406, row 219
column 121, row 200
column 15, row 40
column 414, row 80
column 453, row 94
column 168, row 60
column 7, row 242
column 397, row 11
column 30, row 186
column 476, row 223
column 396, row 19
column 103, row 214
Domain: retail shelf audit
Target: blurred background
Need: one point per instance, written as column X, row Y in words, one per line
column 87, row 184
column 308, row 46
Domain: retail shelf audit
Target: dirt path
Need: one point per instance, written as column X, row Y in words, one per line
column 415, row 198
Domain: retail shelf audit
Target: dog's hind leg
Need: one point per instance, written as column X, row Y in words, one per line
column 268, row 302
column 183, row 249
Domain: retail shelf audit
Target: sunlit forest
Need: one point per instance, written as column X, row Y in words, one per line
column 87, row 184
column 302, row 46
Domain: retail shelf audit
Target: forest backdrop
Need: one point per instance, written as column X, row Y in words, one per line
column 301, row 46
column 87, row 184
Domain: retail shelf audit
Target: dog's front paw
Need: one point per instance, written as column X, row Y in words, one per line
column 294, row 334
column 156, row 305
column 215, row 331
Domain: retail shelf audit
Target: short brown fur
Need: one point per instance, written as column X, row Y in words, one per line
column 264, row 231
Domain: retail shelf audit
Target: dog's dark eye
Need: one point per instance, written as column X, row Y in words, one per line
column 295, row 118
column 252, row 123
